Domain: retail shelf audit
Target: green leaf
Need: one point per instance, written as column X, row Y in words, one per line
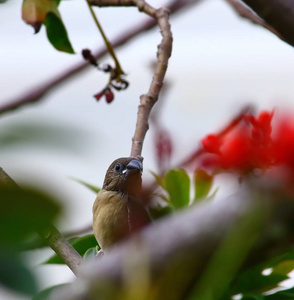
column 57, row 34
column 45, row 294
column 91, row 252
column 14, row 274
column 33, row 242
column 202, row 183
column 159, row 211
column 252, row 280
column 177, row 184
column 281, row 295
column 253, row 297
column 223, row 267
column 55, row 136
column 284, row 267
column 38, row 12
column 91, row 187
column 159, row 180
column 275, row 261
column 81, row 245
column 23, row 212
column 256, row 282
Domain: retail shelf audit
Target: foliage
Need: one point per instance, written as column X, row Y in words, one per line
column 14, row 272
column 203, row 183
column 91, row 187
column 177, row 184
column 38, row 12
column 32, row 133
column 23, row 212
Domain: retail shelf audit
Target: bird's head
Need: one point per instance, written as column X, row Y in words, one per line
column 124, row 175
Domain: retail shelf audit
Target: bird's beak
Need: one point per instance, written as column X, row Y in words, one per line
column 135, row 165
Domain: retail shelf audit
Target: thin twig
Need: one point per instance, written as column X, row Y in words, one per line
column 52, row 236
column 106, row 41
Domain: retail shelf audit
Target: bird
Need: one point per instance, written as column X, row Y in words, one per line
column 117, row 210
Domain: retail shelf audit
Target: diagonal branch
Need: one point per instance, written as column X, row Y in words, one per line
column 57, row 242
column 274, row 15
column 39, row 92
column 247, row 13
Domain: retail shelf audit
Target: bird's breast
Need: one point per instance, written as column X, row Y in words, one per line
column 110, row 218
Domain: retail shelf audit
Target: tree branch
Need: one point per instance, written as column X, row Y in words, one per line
column 38, row 93
column 279, row 14
column 52, row 236
column 6, row 180
column 57, row 242
column 148, row 100
column 247, row 13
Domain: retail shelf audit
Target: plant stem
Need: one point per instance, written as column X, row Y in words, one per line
column 107, row 43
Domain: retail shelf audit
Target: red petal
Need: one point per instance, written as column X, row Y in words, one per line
column 99, row 95
column 250, row 118
column 212, row 143
column 163, row 145
column 264, row 121
column 237, row 152
column 284, row 143
column 109, row 95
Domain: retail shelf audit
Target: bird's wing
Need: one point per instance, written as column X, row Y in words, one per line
column 137, row 215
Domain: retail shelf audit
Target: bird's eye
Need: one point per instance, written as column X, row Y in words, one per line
column 118, row 167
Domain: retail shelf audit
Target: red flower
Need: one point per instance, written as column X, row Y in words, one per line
column 243, row 147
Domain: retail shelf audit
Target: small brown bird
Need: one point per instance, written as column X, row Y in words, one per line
column 117, row 210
